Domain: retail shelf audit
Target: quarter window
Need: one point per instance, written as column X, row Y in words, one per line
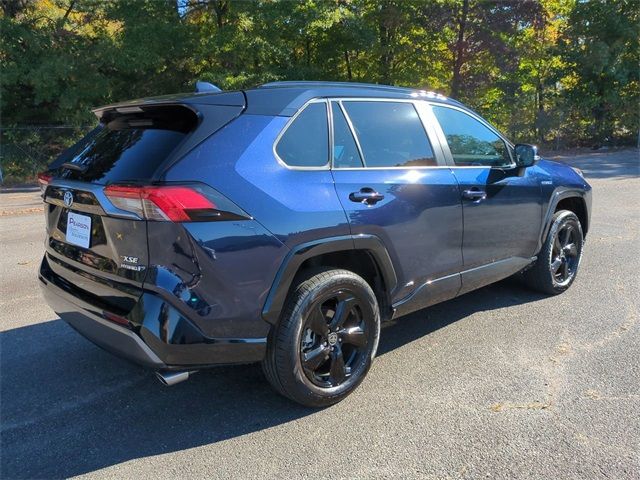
column 471, row 143
column 305, row 143
column 390, row 134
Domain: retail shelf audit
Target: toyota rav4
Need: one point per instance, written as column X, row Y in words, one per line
column 283, row 224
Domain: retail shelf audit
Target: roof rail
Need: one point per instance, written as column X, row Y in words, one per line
column 315, row 83
column 202, row 87
column 414, row 92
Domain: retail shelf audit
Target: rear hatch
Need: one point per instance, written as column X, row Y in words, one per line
column 100, row 194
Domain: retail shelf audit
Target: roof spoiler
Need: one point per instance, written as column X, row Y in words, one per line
column 202, row 87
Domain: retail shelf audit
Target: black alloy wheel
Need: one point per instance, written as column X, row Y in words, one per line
column 564, row 254
column 334, row 339
column 558, row 261
column 326, row 339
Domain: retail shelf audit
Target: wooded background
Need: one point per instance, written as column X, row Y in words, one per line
column 558, row 73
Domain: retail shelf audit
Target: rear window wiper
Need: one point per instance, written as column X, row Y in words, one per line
column 75, row 166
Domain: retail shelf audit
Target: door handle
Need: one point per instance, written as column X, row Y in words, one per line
column 474, row 194
column 366, row 195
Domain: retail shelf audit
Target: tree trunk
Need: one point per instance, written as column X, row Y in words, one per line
column 458, row 56
column 602, row 129
column 66, row 14
column 540, row 114
column 540, row 26
column 348, row 62
column 220, row 7
column 386, row 35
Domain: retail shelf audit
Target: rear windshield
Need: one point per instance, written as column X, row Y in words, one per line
column 127, row 147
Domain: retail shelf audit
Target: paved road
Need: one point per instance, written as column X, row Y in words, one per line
column 499, row 383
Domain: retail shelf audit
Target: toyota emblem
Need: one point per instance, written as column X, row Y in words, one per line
column 68, row 199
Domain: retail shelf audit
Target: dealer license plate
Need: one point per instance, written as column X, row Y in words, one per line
column 79, row 229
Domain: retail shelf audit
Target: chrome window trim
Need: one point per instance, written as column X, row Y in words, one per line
column 445, row 144
column 423, row 167
column 352, row 130
column 398, row 168
column 430, row 124
column 326, row 166
column 331, row 132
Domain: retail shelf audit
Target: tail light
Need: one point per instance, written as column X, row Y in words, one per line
column 174, row 203
column 43, row 180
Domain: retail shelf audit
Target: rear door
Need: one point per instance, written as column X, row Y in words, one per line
column 93, row 248
column 501, row 204
column 392, row 182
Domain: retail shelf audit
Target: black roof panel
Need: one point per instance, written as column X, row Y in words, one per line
column 285, row 98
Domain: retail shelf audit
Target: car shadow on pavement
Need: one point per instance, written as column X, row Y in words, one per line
column 68, row 408
column 416, row 325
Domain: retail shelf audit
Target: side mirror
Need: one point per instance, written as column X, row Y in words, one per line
column 526, row 155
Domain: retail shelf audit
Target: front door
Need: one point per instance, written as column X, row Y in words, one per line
column 501, row 204
column 394, row 184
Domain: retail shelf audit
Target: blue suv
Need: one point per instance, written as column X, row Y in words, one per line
column 284, row 223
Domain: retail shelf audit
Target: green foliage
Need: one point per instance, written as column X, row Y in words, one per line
column 27, row 150
column 560, row 72
column 603, row 50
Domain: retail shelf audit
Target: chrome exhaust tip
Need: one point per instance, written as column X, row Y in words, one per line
column 171, row 378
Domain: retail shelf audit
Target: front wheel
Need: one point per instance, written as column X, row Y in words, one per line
column 557, row 265
column 326, row 339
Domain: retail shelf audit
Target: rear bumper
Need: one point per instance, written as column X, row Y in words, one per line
column 147, row 342
column 112, row 337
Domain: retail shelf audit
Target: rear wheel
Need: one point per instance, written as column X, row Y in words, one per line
column 557, row 265
column 326, row 339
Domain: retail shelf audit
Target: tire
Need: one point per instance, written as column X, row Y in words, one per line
column 557, row 265
column 325, row 341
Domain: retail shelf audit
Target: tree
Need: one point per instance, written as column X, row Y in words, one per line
column 602, row 49
column 543, row 70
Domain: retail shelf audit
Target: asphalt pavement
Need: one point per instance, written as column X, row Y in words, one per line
column 499, row 383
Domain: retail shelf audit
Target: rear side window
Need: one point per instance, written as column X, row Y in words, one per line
column 127, row 147
column 345, row 150
column 471, row 142
column 305, row 143
column 391, row 134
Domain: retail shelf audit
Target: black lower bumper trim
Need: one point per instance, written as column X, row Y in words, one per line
column 107, row 335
